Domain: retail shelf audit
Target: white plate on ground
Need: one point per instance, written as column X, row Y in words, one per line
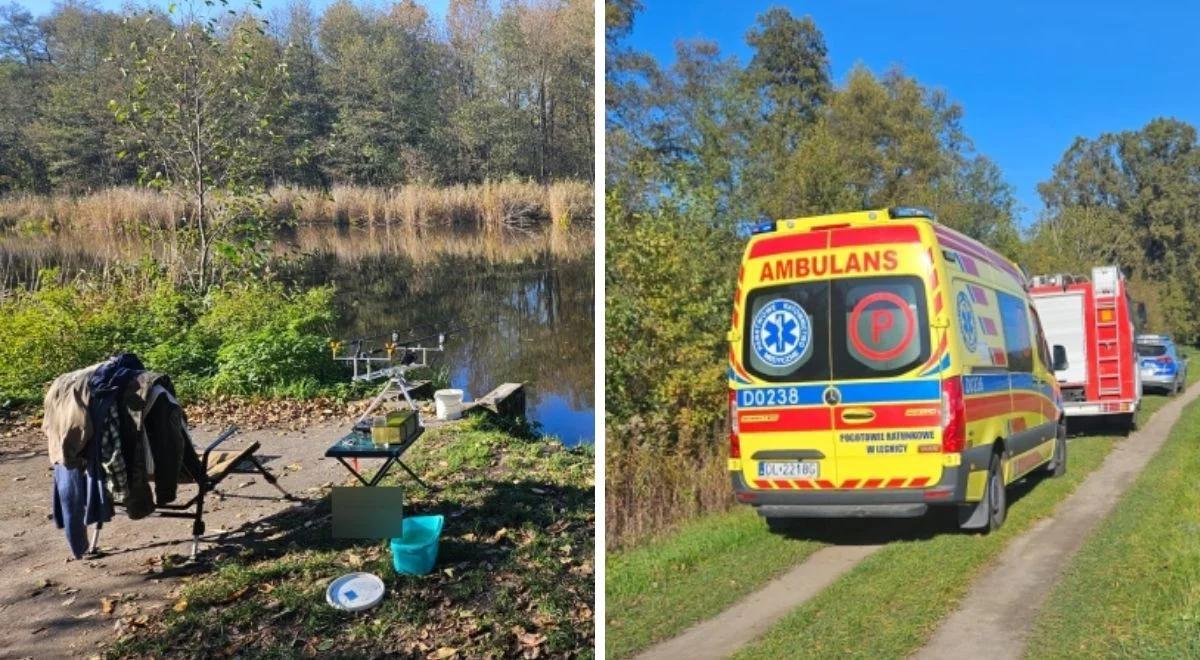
column 355, row 592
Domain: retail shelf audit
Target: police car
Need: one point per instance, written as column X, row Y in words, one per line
column 1161, row 366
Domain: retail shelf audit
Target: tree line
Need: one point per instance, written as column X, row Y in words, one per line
column 356, row 94
column 699, row 148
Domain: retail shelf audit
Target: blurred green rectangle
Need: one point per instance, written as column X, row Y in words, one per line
column 368, row 513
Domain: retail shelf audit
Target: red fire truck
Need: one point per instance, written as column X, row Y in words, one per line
column 1094, row 321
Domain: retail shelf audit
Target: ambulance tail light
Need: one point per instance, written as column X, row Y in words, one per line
column 954, row 423
column 735, row 442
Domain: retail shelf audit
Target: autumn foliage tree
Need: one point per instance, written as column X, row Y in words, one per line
column 197, row 118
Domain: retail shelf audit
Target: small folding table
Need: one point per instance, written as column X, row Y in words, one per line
column 358, row 444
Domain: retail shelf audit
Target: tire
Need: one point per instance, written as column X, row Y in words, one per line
column 987, row 515
column 997, row 496
column 1057, row 466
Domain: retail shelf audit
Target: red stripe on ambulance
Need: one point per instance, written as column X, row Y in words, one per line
column 892, row 416
column 784, row 419
column 873, row 235
column 789, row 243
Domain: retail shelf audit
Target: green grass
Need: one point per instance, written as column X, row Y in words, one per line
column 656, row 590
column 882, row 595
column 1133, row 591
column 514, row 573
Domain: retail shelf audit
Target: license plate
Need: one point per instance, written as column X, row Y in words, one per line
column 789, row 469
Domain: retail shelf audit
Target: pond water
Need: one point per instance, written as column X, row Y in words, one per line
column 515, row 309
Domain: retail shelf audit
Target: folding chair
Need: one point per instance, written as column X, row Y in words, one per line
column 207, row 472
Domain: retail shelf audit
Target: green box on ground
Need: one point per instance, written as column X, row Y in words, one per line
column 368, row 513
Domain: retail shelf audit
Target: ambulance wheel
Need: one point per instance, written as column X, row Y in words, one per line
column 1057, row 466
column 988, row 513
column 997, row 496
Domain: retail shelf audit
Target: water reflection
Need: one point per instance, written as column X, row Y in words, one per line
column 521, row 306
column 530, row 321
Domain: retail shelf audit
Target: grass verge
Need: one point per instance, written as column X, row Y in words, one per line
column 1133, row 591
column 514, row 574
column 656, row 590
column 879, row 595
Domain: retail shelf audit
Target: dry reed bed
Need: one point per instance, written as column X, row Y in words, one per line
column 650, row 489
column 493, row 205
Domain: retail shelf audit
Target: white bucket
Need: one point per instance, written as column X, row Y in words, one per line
column 448, row 404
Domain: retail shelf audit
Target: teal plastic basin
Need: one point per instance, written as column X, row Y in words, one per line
column 415, row 552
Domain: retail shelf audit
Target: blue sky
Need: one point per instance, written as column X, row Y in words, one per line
column 1031, row 77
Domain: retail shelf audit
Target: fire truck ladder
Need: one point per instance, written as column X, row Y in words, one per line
column 1108, row 358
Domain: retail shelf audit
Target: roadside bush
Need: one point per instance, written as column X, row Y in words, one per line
column 248, row 339
column 669, row 286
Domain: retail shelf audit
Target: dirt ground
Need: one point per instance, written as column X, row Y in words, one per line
column 53, row 606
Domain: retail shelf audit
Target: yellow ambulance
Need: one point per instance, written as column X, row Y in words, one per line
column 881, row 363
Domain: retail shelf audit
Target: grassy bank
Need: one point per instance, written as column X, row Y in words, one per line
column 661, row 586
column 514, row 573
column 490, row 205
column 1133, row 591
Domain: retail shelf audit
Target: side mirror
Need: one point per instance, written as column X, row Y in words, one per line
column 1060, row 357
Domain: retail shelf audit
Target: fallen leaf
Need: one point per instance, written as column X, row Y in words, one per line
column 236, row 595
column 531, row 639
column 91, row 612
column 106, row 606
column 443, row 653
column 180, row 605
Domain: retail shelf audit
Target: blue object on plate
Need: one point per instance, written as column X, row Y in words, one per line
column 415, row 552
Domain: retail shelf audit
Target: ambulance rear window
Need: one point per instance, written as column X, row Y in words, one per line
column 864, row 327
column 788, row 335
column 881, row 327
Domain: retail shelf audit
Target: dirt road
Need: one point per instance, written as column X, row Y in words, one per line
column 51, row 607
column 996, row 617
column 722, row 635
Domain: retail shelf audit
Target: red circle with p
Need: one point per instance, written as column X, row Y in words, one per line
column 882, row 320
